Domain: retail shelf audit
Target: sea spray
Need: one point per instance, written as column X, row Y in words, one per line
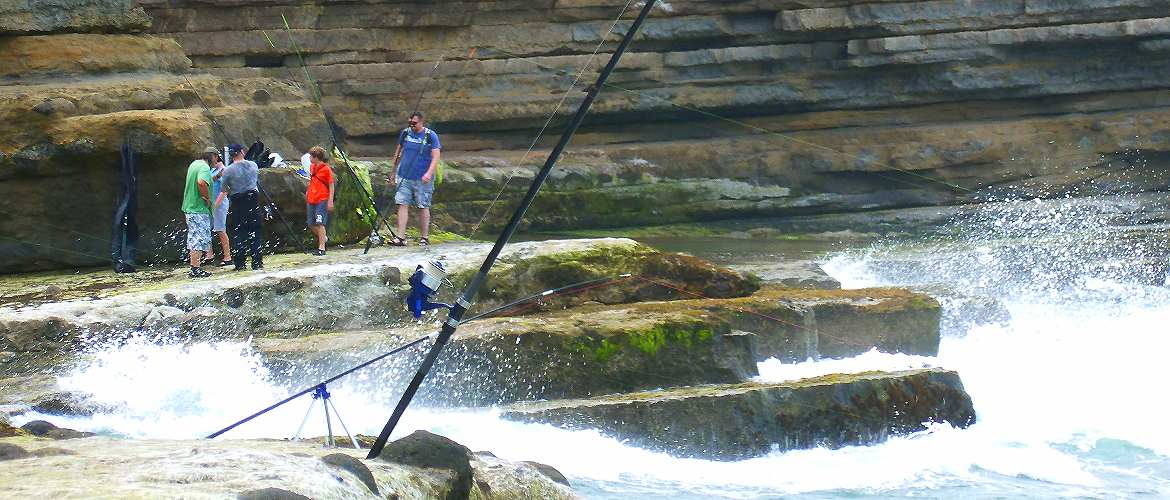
column 1066, row 379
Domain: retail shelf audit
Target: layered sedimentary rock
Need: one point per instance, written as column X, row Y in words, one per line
column 78, row 81
column 837, row 106
column 746, row 420
column 595, row 349
column 42, row 318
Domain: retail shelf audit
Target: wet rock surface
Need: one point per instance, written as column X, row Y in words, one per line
column 298, row 295
column 112, row 468
column 432, row 451
column 741, row 421
column 793, row 274
column 41, row 428
column 595, row 349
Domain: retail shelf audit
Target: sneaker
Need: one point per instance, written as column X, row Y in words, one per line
column 318, row 252
column 239, row 267
column 257, row 266
column 224, row 263
column 198, row 272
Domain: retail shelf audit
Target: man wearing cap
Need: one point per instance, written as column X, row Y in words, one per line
column 415, row 159
column 197, row 210
column 243, row 219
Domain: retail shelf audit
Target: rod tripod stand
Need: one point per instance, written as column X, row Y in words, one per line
column 322, row 393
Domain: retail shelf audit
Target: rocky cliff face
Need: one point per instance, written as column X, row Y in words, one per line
column 838, row 105
column 77, row 80
column 723, row 109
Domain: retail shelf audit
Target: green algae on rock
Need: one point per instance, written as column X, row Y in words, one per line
column 730, row 422
column 301, row 295
column 596, row 349
column 609, row 258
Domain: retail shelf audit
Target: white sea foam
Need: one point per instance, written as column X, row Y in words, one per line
column 1079, row 365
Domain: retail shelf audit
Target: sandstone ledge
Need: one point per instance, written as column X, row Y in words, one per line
column 46, row 316
column 746, row 420
column 595, row 349
column 109, row 468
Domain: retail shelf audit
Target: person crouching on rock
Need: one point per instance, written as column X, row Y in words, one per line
column 415, row 160
column 319, row 196
column 243, row 218
column 197, row 209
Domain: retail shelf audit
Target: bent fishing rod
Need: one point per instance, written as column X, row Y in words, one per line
column 464, row 302
column 227, row 140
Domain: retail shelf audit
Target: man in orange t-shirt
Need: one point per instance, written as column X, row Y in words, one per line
column 319, row 196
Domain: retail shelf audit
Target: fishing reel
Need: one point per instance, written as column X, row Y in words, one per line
column 424, row 284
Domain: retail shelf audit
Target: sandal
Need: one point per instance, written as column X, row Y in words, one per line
column 422, row 242
column 397, row 242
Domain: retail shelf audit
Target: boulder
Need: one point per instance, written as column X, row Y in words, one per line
column 432, row 451
column 41, row 428
column 271, row 494
column 732, row 422
column 549, row 471
column 9, row 451
column 514, row 279
column 355, row 467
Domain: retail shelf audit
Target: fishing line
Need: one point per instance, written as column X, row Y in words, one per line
column 106, row 241
column 50, row 247
column 551, row 116
column 315, row 91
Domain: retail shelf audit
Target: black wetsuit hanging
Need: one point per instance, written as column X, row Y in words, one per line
column 124, row 241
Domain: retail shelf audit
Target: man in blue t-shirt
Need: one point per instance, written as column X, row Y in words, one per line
column 415, row 160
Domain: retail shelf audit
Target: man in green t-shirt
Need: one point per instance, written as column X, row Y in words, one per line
column 197, row 208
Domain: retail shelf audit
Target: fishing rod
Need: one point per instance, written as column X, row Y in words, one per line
column 260, row 188
column 581, row 286
column 319, row 384
column 464, row 302
column 315, row 90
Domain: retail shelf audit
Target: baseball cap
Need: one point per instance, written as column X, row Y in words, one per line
column 234, row 148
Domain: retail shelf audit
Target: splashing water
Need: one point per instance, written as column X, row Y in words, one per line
column 1062, row 354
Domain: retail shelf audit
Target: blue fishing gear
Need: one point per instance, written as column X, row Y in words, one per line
column 424, row 283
